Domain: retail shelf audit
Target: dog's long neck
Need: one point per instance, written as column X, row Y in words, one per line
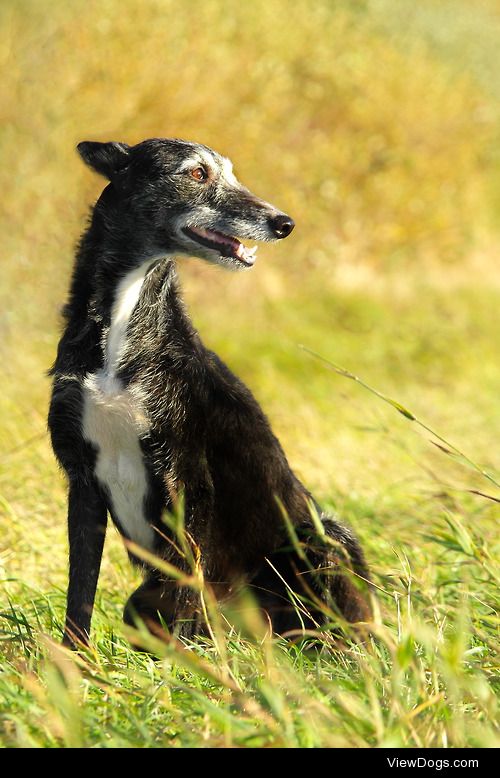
column 124, row 299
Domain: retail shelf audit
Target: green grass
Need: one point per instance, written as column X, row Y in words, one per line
column 377, row 130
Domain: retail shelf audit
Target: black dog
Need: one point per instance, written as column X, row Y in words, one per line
column 143, row 414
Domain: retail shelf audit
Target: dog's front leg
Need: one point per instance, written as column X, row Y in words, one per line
column 87, row 516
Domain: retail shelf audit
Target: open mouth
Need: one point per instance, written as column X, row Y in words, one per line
column 225, row 245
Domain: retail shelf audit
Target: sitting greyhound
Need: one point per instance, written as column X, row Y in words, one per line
column 143, row 415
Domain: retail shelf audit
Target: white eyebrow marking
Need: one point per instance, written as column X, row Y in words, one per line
column 200, row 159
column 224, row 167
column 227, row 171
column 190, row 163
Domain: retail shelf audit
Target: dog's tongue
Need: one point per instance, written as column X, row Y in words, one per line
column 236, row 248
column 217, row 237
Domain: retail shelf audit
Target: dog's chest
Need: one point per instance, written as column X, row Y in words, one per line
column 114, row 421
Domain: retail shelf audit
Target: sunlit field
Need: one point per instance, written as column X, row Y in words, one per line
column 375, row 124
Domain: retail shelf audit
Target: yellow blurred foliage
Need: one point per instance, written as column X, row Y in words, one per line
column 380, row 148
column 379, row 152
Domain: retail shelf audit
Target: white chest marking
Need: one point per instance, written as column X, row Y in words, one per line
column 127, row 295
column 114, row 421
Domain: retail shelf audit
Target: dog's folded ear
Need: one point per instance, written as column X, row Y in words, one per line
column 108, row 159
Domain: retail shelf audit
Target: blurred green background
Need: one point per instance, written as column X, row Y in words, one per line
column 375, row 125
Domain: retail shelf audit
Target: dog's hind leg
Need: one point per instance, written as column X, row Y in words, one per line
column 87, row 516
column 308, row 583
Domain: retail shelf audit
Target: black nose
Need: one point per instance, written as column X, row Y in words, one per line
column 282, row 225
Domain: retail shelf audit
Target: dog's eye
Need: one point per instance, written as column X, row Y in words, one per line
column 199, row 173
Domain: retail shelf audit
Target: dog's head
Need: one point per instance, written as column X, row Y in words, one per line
column 184, row 198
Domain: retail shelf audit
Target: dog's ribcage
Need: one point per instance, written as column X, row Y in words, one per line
column 115, row 420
